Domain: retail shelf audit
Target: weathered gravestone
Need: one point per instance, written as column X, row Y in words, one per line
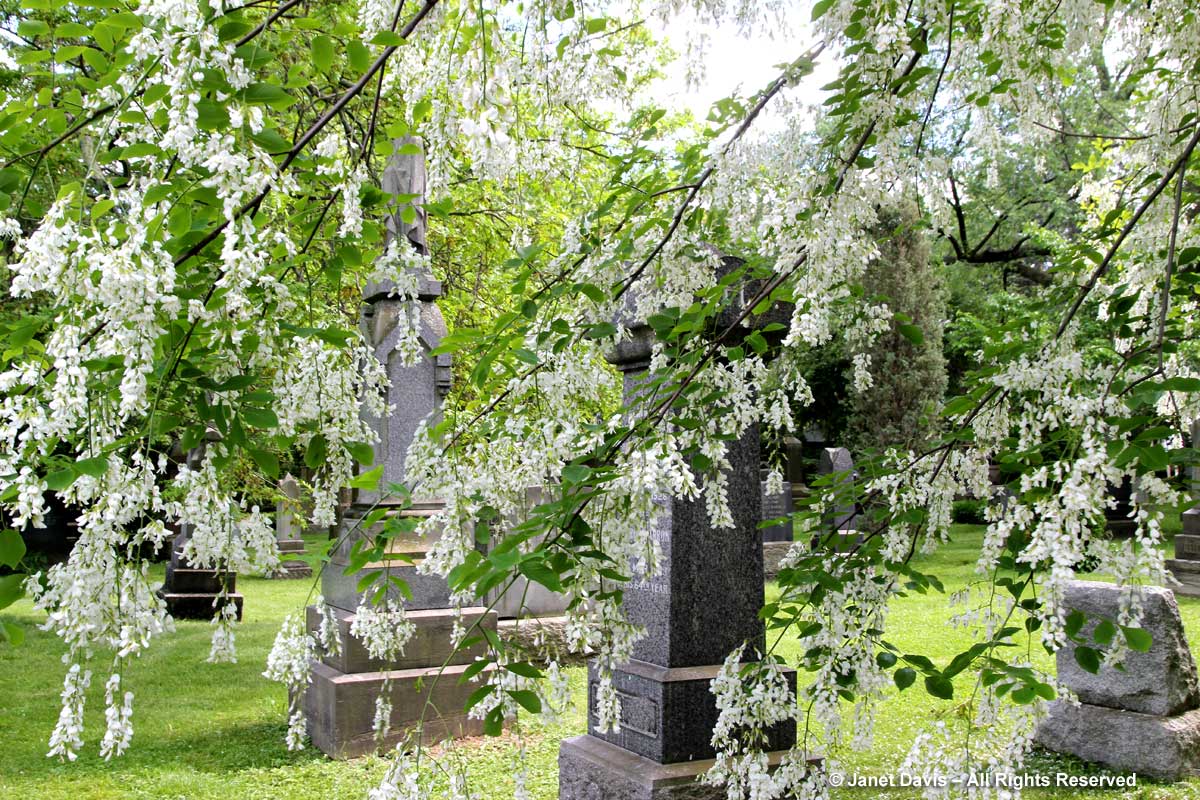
column 1186, row 564
column 1117, row 522
column 778, row 539
column 702, row 606
column 340, row 701
column 775, row 506
column 843, row 519
column 191, row 593
column 1142, row 719
column 288, row 527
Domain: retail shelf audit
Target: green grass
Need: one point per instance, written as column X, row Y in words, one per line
column 216, row 731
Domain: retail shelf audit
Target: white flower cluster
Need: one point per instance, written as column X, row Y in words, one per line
column 383, row 629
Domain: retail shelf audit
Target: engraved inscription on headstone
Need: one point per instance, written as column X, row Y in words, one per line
column 638, row 714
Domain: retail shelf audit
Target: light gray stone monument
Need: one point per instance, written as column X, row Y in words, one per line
column 525, row 598
column 288, row 528
column 843, row 520
column 1186, row 564
column 1144, row 718
column 340, row 701
column 702, row 606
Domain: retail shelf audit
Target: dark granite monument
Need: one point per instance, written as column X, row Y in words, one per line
column 702, row 606
column 340, row 701
column 192, row 593
column 777, row 506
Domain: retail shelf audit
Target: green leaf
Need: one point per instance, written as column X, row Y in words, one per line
column 1138, row 639
column 387, row 39
column 59, row 480
column 820, row 8
column 359, row 55
column 904, row 677
column 1104, row 632
column 528, row 700
column 10, row 589
column 30, row 28
column 266, row 461
column 885, row 659
column 575, row 473
column 939, row 686
column 367, row 480
column 268, row 94
column 12, row 548
column 1088, row 658
column 314, row 456
column 363, row 453
column 538, row 572
column 322, row 53
column 93, row 467
column 258, row 417
column 478, row 695
column 524, row 669
column 912, row 333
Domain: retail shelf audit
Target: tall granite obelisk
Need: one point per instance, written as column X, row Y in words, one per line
column 702, row 606
column 340, row 701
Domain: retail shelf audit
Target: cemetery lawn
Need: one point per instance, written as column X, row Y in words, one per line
column 216, row 730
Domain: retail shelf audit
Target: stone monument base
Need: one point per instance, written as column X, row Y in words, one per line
column 199, row 593
column 340, row 707
column 592, row 769
column 1187, row 572
column 293, row 567
column 1163, row 748
column 1120, row 528
column 424, row 685
column 197, row 605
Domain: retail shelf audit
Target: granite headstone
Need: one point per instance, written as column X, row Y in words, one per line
column 701, row 606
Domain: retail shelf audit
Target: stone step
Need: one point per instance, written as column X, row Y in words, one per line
column 429, row 645
column 294, row 569
column 340, row 707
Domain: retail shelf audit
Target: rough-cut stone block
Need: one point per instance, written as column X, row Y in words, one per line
column 287, row 546
column 200, row 605
column 340, row 708
column 429, row 646
column 1164, row 748
column 1188, row 575
column 1162, row 681
column 668, row 715
column 590, row 768
column 293, row 569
